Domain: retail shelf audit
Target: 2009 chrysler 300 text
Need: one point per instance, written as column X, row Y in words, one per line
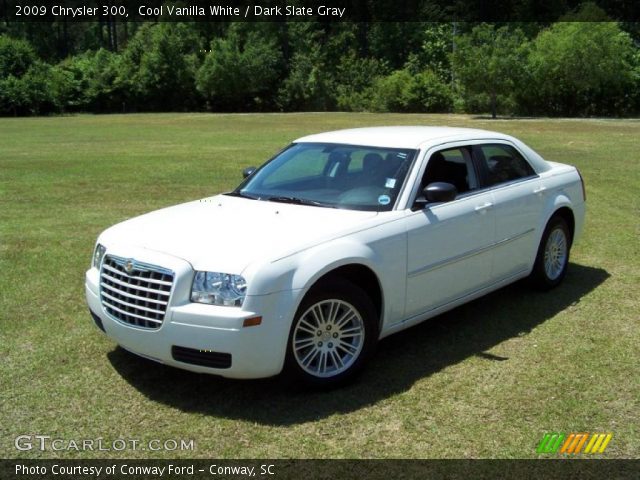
column 341, row 239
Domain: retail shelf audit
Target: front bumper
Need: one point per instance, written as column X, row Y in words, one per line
column 256, row 351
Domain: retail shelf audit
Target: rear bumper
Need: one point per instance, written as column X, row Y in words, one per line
column 207, row 330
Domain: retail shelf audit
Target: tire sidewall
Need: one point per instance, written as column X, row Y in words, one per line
column 539, row 275
column 346, row 291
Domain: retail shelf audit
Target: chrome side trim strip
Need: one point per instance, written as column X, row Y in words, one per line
column 462, row 256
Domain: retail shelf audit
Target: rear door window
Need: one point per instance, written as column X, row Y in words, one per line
column 502, row 164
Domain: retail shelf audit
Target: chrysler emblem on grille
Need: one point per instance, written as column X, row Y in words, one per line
column 128, row 266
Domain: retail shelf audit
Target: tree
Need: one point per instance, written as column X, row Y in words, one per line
column 240, row 71
column 308, row 84
column 25, row 82
column 90, row 82
column 395, row 41
column 488, row 63
column 583, row 65
column 435, row 52
column 158, row 67
column 14, row 96
column 16, row 56
column 635, row 74
column 581, row 68
column 403, row 91
column 354, row 80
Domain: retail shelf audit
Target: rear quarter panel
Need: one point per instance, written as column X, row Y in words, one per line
column 563, row 189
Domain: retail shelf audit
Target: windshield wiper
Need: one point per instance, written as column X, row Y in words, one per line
column 242, row 195
column 298, row 201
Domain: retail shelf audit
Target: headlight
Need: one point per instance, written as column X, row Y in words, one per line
column 98, row 254
column 218, row 289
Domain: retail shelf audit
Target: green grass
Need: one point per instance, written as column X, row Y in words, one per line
column 485, row 380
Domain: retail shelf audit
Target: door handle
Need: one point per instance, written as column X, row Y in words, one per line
column 483, row 207
column 540, row 189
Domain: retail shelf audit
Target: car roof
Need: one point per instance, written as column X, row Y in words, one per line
column 401, row 137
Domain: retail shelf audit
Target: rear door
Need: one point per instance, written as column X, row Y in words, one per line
column 518, row 198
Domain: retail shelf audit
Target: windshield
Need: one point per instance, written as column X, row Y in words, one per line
column 330, row 175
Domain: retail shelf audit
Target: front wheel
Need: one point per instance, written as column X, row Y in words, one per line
column 553, row 255
column 333, row 334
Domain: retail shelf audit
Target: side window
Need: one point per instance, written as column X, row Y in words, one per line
column 453, row 166
column 503, row 163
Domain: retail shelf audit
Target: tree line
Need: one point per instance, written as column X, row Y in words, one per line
column 569, row 68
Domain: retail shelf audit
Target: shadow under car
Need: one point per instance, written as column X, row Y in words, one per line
column 400, row 360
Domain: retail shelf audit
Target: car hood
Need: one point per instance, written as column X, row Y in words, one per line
column 225, row 233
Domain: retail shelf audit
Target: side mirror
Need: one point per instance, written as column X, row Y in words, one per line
column 440, row 192
column 247, row 172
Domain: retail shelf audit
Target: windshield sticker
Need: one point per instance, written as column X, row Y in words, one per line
column 384, row 200
column 390, row 183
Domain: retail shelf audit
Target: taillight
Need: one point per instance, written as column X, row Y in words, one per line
column 584, row 192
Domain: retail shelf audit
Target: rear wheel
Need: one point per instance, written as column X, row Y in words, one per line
column 333, row 334
column 553, row 255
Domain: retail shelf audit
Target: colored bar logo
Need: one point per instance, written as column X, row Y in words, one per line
column 574, row 442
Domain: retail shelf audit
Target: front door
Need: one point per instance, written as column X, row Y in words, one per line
column 449, row 244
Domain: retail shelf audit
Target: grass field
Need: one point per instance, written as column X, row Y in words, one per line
column 485, row 380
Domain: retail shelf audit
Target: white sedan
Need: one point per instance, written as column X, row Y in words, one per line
column 341, row 239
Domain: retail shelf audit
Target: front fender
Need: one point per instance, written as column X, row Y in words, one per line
column 301, row 270
column 382, row 250
column 323, row 259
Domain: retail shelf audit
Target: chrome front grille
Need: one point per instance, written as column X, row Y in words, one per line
column 133, row 292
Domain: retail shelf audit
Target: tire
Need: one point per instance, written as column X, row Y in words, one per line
column 552, row 258
column 334, row 332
